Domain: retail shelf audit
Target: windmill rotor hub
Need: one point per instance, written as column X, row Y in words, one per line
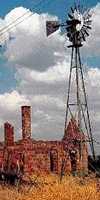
column 78, row 16
column 78, row 26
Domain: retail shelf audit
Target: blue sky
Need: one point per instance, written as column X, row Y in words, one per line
column 57, row 7
column 54, row 7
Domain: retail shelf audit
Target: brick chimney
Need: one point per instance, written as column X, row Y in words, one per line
column 26, row 122
column 9, row 134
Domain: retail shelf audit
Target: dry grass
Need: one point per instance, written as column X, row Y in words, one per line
column 50, row 188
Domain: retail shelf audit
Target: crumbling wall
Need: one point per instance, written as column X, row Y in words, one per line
column 44, row 156
column 38, row 156
column 1, row 157
column 26, row 122
column 9, row 134
column 74, row 142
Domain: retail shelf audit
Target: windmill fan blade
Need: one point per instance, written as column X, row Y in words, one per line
column 86, row 12
column 69, row 22
column 86, row 33
column 76, row 8
column 83, row 36
column 87, row 23
column 68, row 28
column 68, row 34
column 82, row 9
column 51, row 27
column 80, row 35
column 70, row 16
column 79, row 7
column 88, row 16
column 89, row 27
column 72, row 10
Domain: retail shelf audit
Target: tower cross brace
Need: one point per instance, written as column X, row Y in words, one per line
column 81, row 111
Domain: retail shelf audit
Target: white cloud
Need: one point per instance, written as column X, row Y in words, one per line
column 31, row 47
column 10, row 106
column 11, row 101
column 94, row 77
column 53, row 74
column 42, row 69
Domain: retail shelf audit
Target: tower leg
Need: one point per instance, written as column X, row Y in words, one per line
column 77, row 109
column 89, row 132
column 69, row 86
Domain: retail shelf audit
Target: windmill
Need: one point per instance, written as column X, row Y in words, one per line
column 77, row 28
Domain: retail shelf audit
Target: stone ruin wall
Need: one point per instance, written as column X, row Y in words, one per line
column 38, row 156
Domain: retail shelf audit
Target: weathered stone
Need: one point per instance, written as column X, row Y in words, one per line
column 26, row 122
column 43, row 156
column 9, row 134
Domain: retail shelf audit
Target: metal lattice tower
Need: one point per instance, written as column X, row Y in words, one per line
column 77, row 27
column 77, row 107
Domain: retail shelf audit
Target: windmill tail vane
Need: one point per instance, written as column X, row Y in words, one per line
column 51, row 27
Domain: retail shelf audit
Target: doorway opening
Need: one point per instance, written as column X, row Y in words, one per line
column 53, row 161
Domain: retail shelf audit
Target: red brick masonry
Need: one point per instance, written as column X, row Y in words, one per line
column 43, row 156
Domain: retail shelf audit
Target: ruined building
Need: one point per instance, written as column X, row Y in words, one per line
column 69, row 154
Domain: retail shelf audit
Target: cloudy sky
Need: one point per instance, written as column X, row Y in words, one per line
column 34, row 69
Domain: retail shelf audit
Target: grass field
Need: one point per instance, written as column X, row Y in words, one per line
column 50, row 188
